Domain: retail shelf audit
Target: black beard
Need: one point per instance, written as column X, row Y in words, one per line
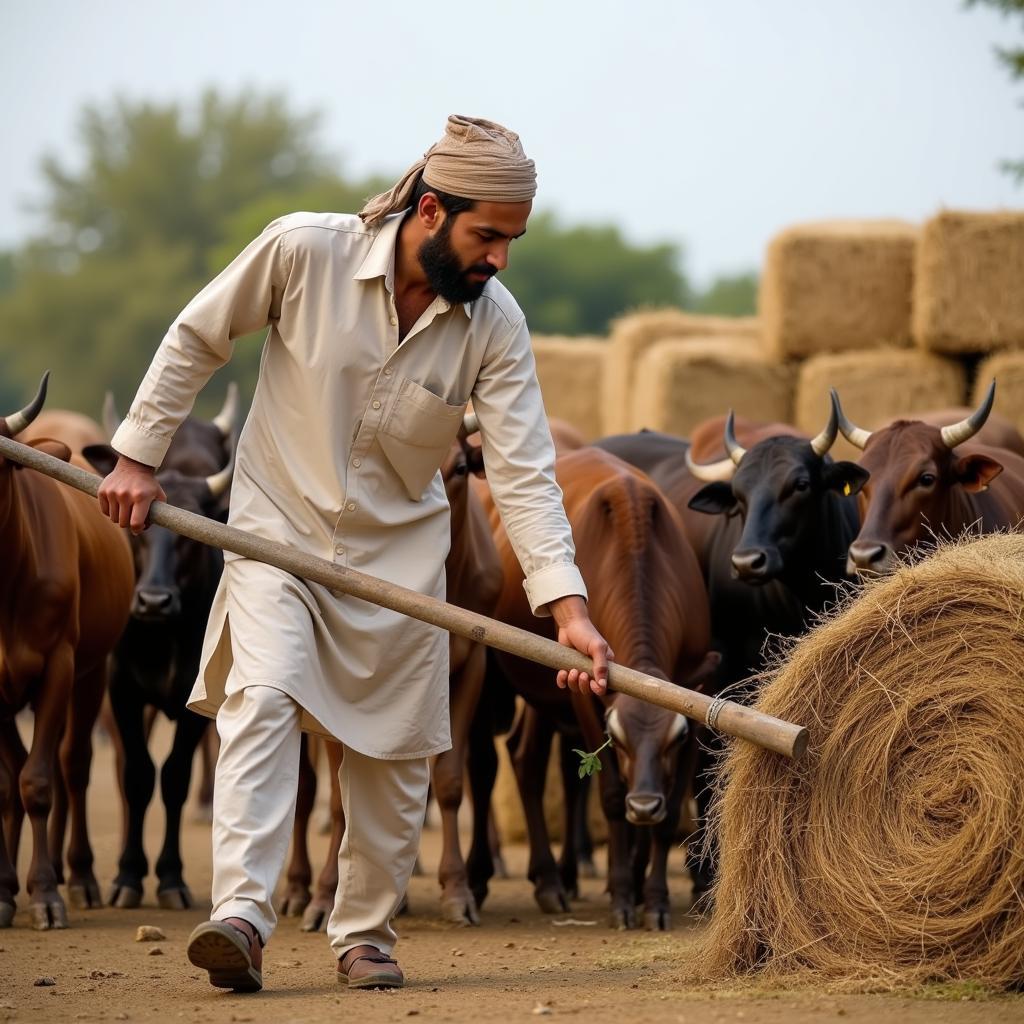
column 445, row 273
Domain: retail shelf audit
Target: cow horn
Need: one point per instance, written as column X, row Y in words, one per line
column 713, row 472
column 111, row 418
column 18, row 421
column 732, row 446
column 220, row 481
column 857, row 436
column 957, row 433
column 824, row 441
column 470, row 423
column 224, row 421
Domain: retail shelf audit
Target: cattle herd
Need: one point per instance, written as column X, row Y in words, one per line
column 697, row 552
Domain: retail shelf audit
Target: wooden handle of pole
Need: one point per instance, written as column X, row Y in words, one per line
column 723, row 715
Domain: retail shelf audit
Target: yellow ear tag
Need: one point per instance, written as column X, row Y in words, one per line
column 846, row 489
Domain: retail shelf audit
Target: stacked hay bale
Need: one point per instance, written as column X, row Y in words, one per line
column 681, row 381
column 1007, row 368
column 837, row 285
column 875, row 386
column 893, row 853
column 571, row 375
column 967, row 282
column 633, row 334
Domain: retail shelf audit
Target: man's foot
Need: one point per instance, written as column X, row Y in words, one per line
column 368, row 967
column 230, row 950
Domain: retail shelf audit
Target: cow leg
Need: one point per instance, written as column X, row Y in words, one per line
column 657, row 905
column 76, row 762
column 37, row 783
column 58, row 820
column 175, row 776
column 571, row 785
column 107, row 725
column 209, row 747
column 483, row 770
column 457, row 903
column 613, row 802
column 139, row 780
column 529, row 745
column 299, row 875
column 320, row 907
column 8, row 876
column 12, row 756
column 583, row 839
column 702, row 848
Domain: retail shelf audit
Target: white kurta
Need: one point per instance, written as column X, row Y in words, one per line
column 339, row 457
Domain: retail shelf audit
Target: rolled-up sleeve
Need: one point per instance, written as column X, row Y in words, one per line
column 520, row 460
column 244, row 297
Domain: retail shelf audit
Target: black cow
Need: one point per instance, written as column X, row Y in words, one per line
column 784, row 516
column 157, row 659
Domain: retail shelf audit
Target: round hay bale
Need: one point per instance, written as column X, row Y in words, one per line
column 894, row 852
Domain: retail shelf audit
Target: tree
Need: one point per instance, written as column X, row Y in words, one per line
column 728, row 295
column 1013, row 58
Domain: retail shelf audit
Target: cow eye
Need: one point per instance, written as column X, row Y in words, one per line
column 926, row 480
column 802, row 484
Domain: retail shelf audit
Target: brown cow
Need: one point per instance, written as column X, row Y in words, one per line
column 64, row 598
column 924, row 484
column 647, row 599
column 474, row 581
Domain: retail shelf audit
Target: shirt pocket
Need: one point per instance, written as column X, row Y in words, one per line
column 417, row 434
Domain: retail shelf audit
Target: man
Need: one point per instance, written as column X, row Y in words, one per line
column 382, row 328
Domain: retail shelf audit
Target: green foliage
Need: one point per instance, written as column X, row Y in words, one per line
column 1012, row 57
column 729, row 295
column 591, row 762
column 574, row 280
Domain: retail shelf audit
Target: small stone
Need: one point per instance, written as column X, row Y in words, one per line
column 510, row 945
column 457, row 952
column 45, row 981
column 540, row 1010
column 412, row 1013
column 149, row 933
column 120, row 1016
column 156, row 951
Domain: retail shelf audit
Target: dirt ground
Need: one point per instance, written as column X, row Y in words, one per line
column 518, row 965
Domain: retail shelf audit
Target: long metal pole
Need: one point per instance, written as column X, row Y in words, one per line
column 725, row 716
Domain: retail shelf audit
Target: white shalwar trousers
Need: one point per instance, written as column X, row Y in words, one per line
column 254, row 810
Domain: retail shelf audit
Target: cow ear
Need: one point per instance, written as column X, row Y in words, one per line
column 101, row 457
column 845, row 477
column 714, row 499
column 58, row 449
column 976, row 472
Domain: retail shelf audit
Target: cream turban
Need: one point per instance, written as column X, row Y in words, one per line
column 474, row 159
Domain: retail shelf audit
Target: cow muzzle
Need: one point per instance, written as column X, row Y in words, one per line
column 645, row 808
column 754, row 565
column 155, row 604
column 869, row 556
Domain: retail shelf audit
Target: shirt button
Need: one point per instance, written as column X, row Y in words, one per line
column 357, row 463
column 376, row 404
column 339, row 550
column 351, row 506
column 387, row 372
column 394, row 321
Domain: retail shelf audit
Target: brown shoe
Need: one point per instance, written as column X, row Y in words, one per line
column 230, row 950
column 368, row 967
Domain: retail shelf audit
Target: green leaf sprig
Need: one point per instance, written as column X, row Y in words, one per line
column 590, row 763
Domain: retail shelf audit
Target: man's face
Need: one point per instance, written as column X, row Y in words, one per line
column 465, row 251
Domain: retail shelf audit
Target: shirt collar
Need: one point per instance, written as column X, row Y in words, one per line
column 380, row 260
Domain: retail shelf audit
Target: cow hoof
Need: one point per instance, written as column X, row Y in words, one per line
column 178, row 898
column 657, row 920
column 623, row 918
column 48, row 916
column 460, row 910
column 125, row 897
column 315, row 917
column 84, row 895
column 551, row 901
column 6, row 914
column 294, row 903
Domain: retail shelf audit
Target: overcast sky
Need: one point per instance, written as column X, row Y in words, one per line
column 711, row 124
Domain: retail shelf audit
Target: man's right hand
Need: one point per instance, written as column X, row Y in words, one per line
column 126, row 494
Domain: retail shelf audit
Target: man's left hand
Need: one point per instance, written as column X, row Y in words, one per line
column 576, row 630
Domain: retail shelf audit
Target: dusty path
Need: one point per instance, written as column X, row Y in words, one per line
column 515, row 967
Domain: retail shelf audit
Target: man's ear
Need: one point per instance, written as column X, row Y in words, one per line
column 58, row 449
column 101, row 457
column 846, row 477
column 976, row 472
column 430, row 211
column 714, row 499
